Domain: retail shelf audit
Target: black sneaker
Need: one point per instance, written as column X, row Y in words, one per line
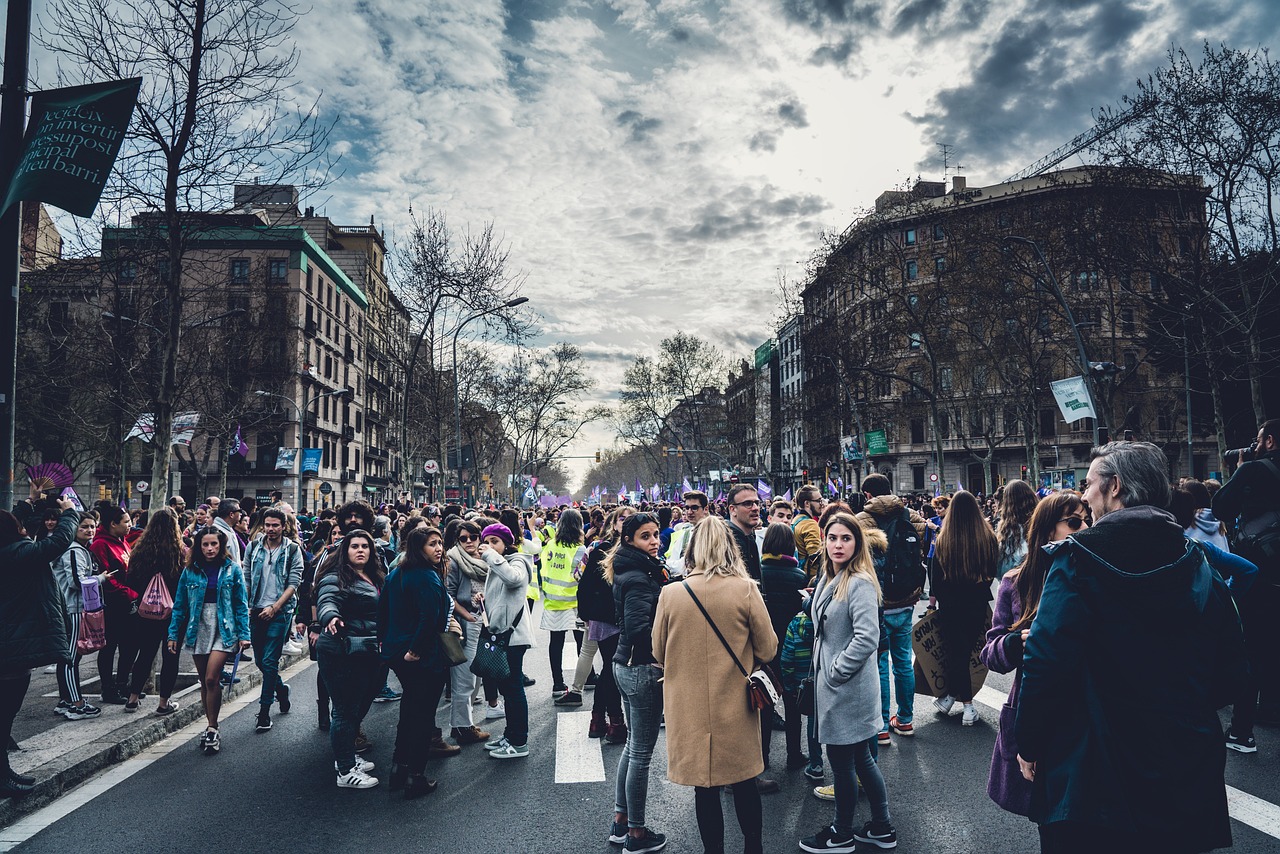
column 264, row 719
column 529, row 680
column 282, row 696
column 877, row 834
column 829, row 841
column 1244, row 744
column 643, row 844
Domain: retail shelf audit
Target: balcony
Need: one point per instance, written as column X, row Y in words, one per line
column 375, row 453
column 348, row 434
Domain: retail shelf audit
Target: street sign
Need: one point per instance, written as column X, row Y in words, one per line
column 877, row 443
column 431, row 467
column 933, row 478
column 326, row 488
column 142, row 486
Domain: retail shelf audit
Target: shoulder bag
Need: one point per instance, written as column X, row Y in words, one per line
column 451, row 641
column 805, row 698
column 491, row 652
column 763, row 691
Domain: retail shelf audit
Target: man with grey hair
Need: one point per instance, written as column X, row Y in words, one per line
column 1135, row 646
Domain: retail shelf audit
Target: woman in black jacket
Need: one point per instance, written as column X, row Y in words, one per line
column 595, row 605
column 412, row 612
column 347, row 649
column 781, row 582
column 33, row 622
column 637, row 576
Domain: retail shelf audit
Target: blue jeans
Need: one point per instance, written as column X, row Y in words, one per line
column 352, row 680
column 268, row 643
column 898, row 627
column 514, row 699
column 815, row 746
column 642, row 704
column 848, row 763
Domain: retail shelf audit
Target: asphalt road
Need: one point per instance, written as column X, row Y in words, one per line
column 276, row 791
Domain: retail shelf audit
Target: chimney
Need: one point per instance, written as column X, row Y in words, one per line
column 958, row 183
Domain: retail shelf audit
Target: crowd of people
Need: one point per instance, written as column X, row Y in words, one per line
column 723, row 622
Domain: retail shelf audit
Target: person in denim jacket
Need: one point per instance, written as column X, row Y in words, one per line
column 211, row 617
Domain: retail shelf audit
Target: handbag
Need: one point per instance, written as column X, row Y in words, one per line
column 360, row 644
column 451, row 644
column 93, row 632
column 156, row 602
column 491, row 651
column 763, row 690
column 805, row 701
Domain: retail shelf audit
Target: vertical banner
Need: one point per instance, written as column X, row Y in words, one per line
column 71, row 144
column 285, row 459
column 311, row 460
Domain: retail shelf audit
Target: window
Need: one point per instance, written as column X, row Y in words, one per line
column 909, row 237
column 977, row 422
column 128, row 272
column 239, row 271
column 914, row 341
column 1156, row 285
column 980, row 378
column 1130, row 360
column 944, row 424
column 884, row 387
column 1010, row 420
column 938, row 233
column 1048, row 423
column 913, row 271
column 917, row 477
column 939, row 265
column 1127, row 324
column 913, row 300
column 917, row 431
column 1086, row 280
column 1164, row 420
column 945, row 377
column 278, row 270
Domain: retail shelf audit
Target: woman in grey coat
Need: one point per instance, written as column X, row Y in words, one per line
column 846, row 614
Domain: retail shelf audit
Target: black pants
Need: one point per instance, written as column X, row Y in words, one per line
column 421, row 695
column 1073, row 837
column 960, row 625
column 150, row 636
column 13, row 688
column 607, row 698
column 556, row 651
column 1257, row 612
column 746, row 803
column 120, row 639
column 791, row 714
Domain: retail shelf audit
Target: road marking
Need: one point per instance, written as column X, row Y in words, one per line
column 1243, row 807
column 578, row 758
column 25, row 828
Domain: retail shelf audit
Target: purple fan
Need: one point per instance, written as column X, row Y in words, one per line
column 50, row 476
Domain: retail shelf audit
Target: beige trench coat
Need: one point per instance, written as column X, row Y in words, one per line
column 713, row 737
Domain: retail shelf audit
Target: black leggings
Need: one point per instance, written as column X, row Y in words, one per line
column 556, row 651
column 791, row 712
column 607, row 698
column 746, row 803
column 960, row 627
column 13, row 688
column 150, row 636
column 119, row 639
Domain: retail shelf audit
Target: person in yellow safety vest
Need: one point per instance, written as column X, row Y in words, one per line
column 561, row 565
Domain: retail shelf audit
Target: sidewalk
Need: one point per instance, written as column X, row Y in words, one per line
column 61, row 753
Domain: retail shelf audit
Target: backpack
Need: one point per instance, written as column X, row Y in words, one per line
column 901, row 567
column 1258, row 539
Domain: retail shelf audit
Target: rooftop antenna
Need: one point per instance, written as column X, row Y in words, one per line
column 947, row 169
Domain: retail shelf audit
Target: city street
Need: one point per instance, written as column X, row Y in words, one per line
column 276, row 790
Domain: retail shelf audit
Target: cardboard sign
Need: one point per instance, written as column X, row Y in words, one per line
column 931, row 655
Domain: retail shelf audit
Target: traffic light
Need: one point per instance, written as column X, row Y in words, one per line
column 1024, row 472
column 679, row 451
column 804, row 474
column 597, row 456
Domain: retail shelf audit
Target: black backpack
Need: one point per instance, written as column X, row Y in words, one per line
column 901, row 567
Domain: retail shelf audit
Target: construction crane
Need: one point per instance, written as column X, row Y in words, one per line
column 1104, row 128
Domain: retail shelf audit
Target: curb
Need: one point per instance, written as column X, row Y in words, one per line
column 59, row 776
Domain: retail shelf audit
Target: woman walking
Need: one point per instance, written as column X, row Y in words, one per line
column 412, row 612
column 960, row 573
column 846, row 615
column 706, row 631
column 561, row 567
column 467, row 574
column 211, row 617
column 506, row 589
column 595, row 605
column 158, row 552
column 637, row 576
column 1055, row 518
column 347, row 649
column 75, row 565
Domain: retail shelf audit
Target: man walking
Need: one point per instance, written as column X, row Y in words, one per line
column 274, row 569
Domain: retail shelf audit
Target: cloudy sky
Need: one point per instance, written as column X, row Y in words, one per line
column 659, row 164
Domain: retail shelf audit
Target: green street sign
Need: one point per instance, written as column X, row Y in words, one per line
column 877, row 443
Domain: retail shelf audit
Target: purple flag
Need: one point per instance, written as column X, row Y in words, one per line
column 764, row 489
column 786, row 496
column 688, row 487
column 831, row 487
column 241, row 448
column 639, row 488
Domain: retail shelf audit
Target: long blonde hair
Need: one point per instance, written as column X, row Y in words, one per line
column 859, row 565
column 712, row 550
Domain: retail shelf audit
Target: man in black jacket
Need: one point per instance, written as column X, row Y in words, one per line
column 1249, row 503
column 1134, row 648
column 744, row 518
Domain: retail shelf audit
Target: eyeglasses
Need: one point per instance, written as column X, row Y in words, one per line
column 691, row 508
column 755, row 502
column 1075, row 523
column 467, row 539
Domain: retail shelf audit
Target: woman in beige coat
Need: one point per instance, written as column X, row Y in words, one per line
column 713, row 736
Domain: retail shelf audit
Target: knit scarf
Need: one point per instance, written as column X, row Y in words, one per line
column 472, row 567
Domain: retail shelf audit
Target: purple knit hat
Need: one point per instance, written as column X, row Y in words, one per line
column 500, row 531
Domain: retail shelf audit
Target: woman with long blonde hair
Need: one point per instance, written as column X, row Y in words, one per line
column 846, row 614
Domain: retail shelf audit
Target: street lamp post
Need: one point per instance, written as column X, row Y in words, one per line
column 457, row 395
column 302, row 428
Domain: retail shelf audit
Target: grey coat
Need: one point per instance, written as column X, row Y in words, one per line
column 846, row 676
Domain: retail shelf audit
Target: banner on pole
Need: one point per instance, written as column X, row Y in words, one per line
column 71, row 144
column 184, row 426
column 311, row 458
column 285, row 459
column 1073, row 399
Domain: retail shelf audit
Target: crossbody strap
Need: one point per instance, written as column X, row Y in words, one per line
column 715, row 629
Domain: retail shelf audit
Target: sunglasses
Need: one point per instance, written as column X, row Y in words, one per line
column 467, row 538
column 690, row 508
column 1075, row 523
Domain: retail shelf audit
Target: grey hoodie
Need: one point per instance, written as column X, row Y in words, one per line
column 1207, row 529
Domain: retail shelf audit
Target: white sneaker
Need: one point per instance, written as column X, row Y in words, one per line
column 52, row 668
column 944, row 704
column 292, row 648
column 363, row 765
column 970, row 715
column 356, row 779
column 495, row 712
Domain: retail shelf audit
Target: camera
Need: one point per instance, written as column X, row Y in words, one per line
column 1243, row 454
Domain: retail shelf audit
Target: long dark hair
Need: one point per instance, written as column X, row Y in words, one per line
column 967, row 549
column 1028, row 578
column 1017, row 503
column 569, row 528
column 197, row 554
column 629, row 528
column 158, row 551
column 414, row 545
column 347, row 574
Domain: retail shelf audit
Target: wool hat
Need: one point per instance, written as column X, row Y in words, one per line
column 500, row 531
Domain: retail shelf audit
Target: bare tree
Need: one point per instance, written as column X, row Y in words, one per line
column 214, row 111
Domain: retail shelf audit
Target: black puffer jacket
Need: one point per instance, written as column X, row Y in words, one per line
column 34, row 625
column 637, row 581
column 595, row 596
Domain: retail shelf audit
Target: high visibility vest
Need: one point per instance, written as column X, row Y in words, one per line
column 559, row 587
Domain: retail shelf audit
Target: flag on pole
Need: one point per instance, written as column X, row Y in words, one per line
column 831, row 487
column 241, row 448
column 786, row 496
column 687, row 486
column 764, row 489
column 639, row 488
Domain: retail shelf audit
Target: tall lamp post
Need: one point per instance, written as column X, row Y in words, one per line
column 457, row 396
column 302, row 427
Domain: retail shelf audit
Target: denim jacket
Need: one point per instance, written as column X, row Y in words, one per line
column 288, row 569
column 233, row 605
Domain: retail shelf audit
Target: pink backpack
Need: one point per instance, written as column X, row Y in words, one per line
column 156, row 602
